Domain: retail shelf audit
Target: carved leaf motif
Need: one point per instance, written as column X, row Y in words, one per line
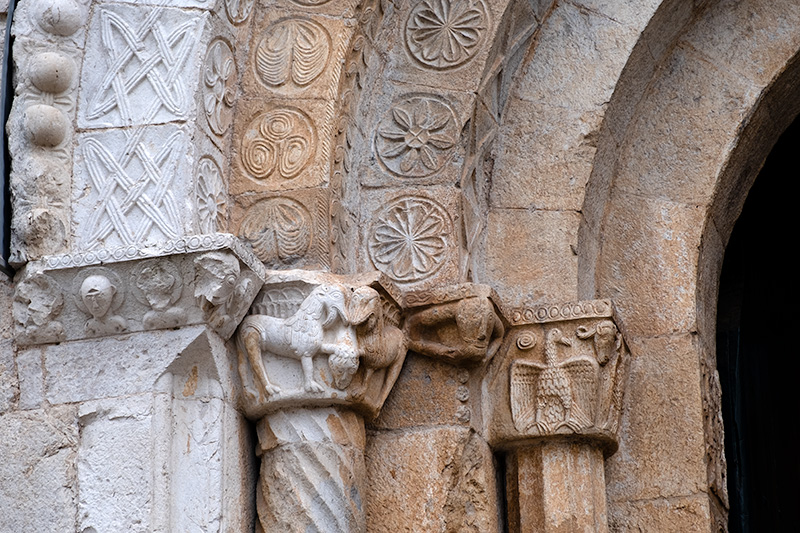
column 444, row 34
column 295, row 50
column 279, row 229
column 419, row 137
column 210, row 196
column 410, row 239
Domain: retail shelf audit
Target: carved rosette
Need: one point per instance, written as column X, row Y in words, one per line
column 203, row 279
column 561, row 372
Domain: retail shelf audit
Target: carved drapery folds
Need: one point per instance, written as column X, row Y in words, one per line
column 209, row 279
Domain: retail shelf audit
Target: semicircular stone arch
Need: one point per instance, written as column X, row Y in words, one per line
column 672, row 172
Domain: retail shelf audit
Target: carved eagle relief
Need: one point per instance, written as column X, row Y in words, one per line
column 546, row 397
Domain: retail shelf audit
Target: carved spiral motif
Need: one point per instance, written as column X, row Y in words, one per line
column 210, row 196
column 239, row 10
column 526, row 341
column 444, row 34
column 410, row 239
column 417, row 136
column 279, row 142
column 279, row 229
column 219, row 80
column 292, row 50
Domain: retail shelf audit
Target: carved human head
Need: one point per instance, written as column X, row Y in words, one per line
column 158, row 285
column 217, row 274
column 343, row 363
column 97, row 293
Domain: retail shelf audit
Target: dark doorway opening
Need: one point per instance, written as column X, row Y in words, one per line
column 757, row 349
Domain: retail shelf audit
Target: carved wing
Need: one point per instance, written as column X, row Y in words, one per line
column 583, row 373
column 523, row 391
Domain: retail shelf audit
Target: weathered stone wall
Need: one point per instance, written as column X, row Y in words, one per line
column 555, row 151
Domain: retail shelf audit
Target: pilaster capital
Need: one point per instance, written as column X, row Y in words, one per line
column 318, row 339
column 560, row 374
column 209, row 279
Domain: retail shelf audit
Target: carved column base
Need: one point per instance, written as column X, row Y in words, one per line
column 556, row 487
column 312, row 471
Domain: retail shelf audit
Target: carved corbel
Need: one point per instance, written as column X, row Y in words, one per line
column 209, row 279
column 460, row 324
column 317, row 354
column 555, row 396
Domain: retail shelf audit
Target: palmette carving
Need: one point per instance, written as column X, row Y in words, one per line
column 444, row 34
column 38, row 300
column 219, row 86
column 292, row 53
column 239, row 10
column 279, row 229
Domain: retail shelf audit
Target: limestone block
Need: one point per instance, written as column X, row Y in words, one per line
column 427, row 393
column 39, row 488
column 673, row 515
column 649, row 266
column 532, row 245
column 688, row 130
column 662, row 447
column 115, row 458
column 439, row 479
column 9, row 383
column 133, row 75
column 31, row 378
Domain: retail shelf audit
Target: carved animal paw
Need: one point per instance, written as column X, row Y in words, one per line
column 313, row 386
column 272, row 390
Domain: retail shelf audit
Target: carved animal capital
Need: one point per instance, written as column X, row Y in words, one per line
column 460, row 324
column 561, row 373
column 317, row 339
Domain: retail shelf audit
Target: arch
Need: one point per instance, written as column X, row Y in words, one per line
column 666, row 187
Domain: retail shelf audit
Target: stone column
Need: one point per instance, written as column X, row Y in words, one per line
column 318, row 354
column 555, row 392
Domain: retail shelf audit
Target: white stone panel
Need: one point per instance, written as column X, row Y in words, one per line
column 140, row 67
column 132, row 187
column 31, row 379
column 37, row 484
column 115, row 474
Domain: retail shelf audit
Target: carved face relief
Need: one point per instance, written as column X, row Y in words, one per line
column 37, row 301
column 418, row 136
column 219, row 86
column 217, row 274
column 443, row 34
column 97, row 294
column 159, row 284
column 278, row 143
column 292, row 53
column 410, row 239
column 279, row 229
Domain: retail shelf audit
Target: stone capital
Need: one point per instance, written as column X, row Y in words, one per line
column 204, row 279
column 560, row 374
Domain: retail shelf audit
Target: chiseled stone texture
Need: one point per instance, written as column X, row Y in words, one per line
column 665, row 515
column 38, row 489
column 439, row 479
